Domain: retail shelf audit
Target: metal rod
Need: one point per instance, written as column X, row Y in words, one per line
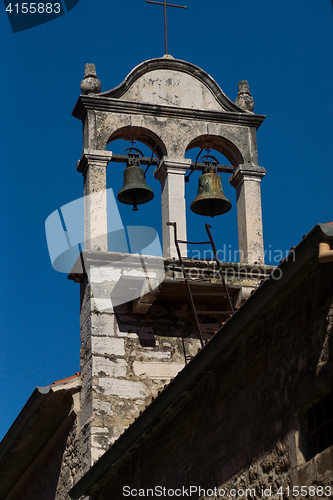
column 165, row 27
column 184, row 350
column 208, row 227
column 168, row 4
column 194, row 242
column 165, row 5
column 151, row 159
column 154, row 161
column 187, row 178
column 143, row 159
column 174, row 224
column 220, row 168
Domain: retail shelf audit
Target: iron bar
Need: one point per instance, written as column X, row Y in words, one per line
column 208, row 227
column 193, row 166
column 143, row 159
column 187, row 357
column 151, row 159
column 165, row 27
column 154, row 161
column 194, row 311
column 220, row 168
column 168, row 4
column 194, row 242
column 165, row 5
column 174, row 224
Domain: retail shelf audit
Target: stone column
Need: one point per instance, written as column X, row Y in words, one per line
column 93, row 165
column 246, row 180
column 170, row 173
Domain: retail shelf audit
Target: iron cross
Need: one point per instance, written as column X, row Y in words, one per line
column 165, row 17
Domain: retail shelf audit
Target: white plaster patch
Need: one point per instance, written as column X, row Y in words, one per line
column 132, row 336
column 123, row 388
column 99, row 430
column 108, row 345
column 109, row 368
column 122, row 334
column 153, row 354
column 103, row 274
column 157, row 370
column 141, row 273
column 101, row 304
column 136, row 121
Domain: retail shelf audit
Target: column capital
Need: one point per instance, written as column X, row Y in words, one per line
column 172, row 165
column 95, row 157
column 248, row 171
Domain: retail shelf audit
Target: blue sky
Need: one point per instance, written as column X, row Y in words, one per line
column 283, row 49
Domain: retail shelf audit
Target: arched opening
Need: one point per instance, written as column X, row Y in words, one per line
column 148, row 214
column 142, row 135
column 224, row 227
column 220, row 144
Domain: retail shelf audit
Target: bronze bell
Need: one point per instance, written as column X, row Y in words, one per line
column 210, row 199
column 135, row 190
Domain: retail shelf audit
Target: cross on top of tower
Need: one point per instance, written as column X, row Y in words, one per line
column 165, row 17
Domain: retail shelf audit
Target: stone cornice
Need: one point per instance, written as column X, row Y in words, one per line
column 173, row 268
column 104, row 104
column 248, row 172
column 169, row 165
column 94, row 157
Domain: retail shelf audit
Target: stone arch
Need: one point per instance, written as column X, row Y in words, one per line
column 220, row 144
column 141, row 134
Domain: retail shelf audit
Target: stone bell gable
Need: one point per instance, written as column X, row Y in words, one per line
column 173, row 106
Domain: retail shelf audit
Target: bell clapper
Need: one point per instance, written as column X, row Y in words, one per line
column 135, row 208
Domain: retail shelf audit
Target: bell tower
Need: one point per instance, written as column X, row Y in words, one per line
column 173, row 106
column 138, row 328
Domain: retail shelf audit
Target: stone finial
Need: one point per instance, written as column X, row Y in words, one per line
column 90, row 83
column 244, row 99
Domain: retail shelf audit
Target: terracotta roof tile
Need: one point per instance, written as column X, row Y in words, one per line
column 77, row 374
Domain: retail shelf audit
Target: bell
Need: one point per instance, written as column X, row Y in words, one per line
column 210, row 199
column 135, row 190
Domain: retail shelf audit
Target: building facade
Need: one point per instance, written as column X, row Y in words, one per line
column 234, row 401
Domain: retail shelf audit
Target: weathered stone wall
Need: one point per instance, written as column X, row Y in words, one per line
column 70, row 466
column 125, row 360
column 240, row 428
